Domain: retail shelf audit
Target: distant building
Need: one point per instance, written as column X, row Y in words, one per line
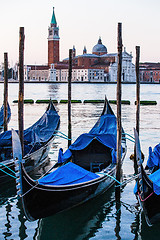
column 36, row 73
column 81, row 75
column 52, row 74
column 128, row 69
column 12, row 73
column 39, row 73
column 149, row 72
column 99, row 59
column 98, row 66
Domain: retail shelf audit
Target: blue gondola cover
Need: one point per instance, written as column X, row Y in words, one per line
column 105, row 131
column 68, row 174
column 155, row 177
column 37, row 134
column 2, row 115
column 154, row 156
column 153, row 160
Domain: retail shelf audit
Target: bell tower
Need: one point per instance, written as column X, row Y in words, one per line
column 53, row 41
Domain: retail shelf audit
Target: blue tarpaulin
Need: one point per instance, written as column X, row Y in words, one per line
column 68, row 174
column 154, row 160
column 155, row 177
column 105, row 131
column 36, row 135
column 2, row 115
column 154, row 156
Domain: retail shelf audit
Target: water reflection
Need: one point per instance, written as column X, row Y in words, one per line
column 82, row 222
column 13, row 224
column 8, row 225
column 142, row 231
column 22, row 220
column 53, row 90
column 78, row 223
column 148, row 233
column 7, row 191
column 6, row 205
column 135, row 226
column 118, row 220
column 96, row 220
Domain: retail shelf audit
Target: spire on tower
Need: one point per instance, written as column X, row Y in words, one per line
column 53, row 41
column 53, row 20
column 99, row 41
column 84, row 50
column 73, row 51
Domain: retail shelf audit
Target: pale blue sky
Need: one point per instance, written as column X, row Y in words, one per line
column 81, row 22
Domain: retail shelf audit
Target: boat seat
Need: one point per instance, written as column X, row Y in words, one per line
column 95, row 159
column 95, row 153
column 96, row 167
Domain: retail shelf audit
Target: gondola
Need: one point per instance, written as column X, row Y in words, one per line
column 87, row 170
column 37, row 142
column 2, row 116
column 147, row 188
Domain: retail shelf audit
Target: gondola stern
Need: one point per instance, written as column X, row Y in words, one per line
column 51, row 106
column 107, row 108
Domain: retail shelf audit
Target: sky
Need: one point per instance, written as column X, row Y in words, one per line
column 80, row 22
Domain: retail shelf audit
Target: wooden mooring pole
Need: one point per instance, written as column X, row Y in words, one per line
column 137, row 101
column 5, row 91
column 21, row 88
column 69, row 97
column 137, row 89
column 119, row 125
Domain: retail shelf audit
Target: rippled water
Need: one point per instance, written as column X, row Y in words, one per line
column 97, row 219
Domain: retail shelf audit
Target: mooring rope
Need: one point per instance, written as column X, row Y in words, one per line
column 62, row 136
column 66, row 137
column 61, row 133
column 128, row 139
column 121, row 184
column 7, row 173
column 134, row 177
column 111, row 177
column 128, row 135
column 43, row 175
column 6, row 167
column 22, row 195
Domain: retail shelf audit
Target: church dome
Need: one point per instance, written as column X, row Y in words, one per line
column 99, row 48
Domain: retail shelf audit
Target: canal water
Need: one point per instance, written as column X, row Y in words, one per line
column 98, row 219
